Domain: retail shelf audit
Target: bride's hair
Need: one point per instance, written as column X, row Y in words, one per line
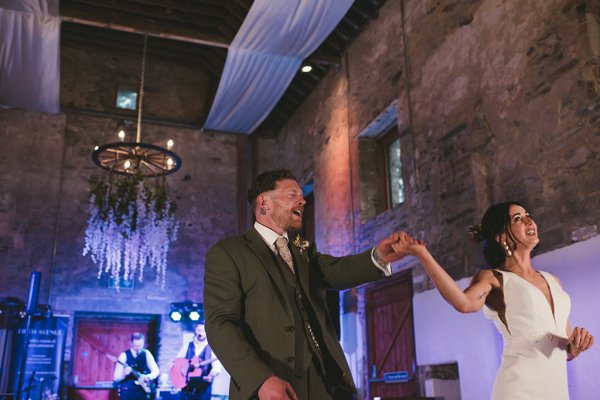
column 494, row 223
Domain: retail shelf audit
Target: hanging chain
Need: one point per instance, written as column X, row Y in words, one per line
column 138, row 137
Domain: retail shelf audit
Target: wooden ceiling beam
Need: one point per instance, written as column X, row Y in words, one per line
column 322, row 58
column 120, row 20
column 189, row 12
column 156, row 32
column 209, row 58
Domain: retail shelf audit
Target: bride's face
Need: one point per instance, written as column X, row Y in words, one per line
column 523, row 228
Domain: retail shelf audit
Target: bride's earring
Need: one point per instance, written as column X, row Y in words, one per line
column 507, row 249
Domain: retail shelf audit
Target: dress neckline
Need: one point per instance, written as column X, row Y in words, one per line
column 550, row 302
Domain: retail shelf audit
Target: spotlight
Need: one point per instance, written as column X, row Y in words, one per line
column 194, row 316
column 175, row 315
column 186, row 311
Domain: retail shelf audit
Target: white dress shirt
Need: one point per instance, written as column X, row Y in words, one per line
column 270, row 236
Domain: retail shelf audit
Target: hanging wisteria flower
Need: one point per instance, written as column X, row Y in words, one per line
column 130, row 226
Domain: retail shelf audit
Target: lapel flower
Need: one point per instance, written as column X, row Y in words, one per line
column 301, row 244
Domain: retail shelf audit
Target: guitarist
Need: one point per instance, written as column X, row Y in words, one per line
column 199, row 387
column 135, row 370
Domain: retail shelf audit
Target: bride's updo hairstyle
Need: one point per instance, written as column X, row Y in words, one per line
column 495, row 222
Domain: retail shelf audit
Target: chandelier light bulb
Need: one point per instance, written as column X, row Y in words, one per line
column 96, row 148
column 170, row 162
column 127, row 164
column 121, row 134
column 306, row 68
column 170, row 144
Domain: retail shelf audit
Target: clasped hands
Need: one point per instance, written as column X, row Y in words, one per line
column 398, row 245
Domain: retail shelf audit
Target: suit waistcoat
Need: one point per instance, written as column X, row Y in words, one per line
column 303, row 315
column 204, row 355
column 138, row 363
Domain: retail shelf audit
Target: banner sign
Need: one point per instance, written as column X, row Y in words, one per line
column 43, row 365
column 398, row 376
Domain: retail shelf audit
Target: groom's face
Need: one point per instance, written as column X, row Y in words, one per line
column 287, row 205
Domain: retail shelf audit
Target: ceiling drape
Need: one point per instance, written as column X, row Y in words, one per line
column 29, row 55
column 265, row 55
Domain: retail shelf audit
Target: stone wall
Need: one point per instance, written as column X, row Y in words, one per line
column 499, row 101
column 44, row 188
column 496, row 100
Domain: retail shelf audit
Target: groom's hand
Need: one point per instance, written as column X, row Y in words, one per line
column 388, row 249
column 275, row 388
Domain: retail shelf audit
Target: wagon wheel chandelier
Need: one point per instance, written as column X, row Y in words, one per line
column 128, row 158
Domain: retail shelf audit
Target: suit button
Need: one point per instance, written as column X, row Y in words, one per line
column 289, row 359
column 290, row 328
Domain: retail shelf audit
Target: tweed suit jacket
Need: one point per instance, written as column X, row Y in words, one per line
column 249, row 317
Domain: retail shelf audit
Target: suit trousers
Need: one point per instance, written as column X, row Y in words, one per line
column 313, row 386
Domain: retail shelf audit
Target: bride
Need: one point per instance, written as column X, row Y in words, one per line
column 529, row 307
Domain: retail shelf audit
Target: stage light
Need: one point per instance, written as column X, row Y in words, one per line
column 175, row 315
column 186, row 311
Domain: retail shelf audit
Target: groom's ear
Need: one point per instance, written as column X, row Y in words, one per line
column 262, row 201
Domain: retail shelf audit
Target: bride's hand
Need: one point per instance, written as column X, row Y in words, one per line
column 580, row 341
column 399, row 244
column 407, row 245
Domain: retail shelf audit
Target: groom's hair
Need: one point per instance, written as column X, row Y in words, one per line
column 266, row 182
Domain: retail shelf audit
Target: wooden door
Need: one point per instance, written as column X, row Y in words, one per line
column 95, row 339
column 391, row 344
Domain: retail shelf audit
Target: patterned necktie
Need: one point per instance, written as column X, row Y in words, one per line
column 284, row 251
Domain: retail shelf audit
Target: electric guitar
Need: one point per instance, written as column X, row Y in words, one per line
column 141, row 379
column 183, row 369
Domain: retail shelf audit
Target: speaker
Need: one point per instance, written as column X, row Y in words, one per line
column 34, row 291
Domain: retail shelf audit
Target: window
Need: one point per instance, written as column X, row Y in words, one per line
column 380, row 164
column 389, row 146
column 126, row 98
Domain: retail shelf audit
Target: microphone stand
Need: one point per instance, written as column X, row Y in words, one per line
column 24, row 357
column 42, row 381
column 32, row 299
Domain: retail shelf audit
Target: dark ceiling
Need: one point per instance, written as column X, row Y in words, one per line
column 200, row 31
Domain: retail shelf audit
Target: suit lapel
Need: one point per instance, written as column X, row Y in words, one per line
column 302, row 267
column 258, row 246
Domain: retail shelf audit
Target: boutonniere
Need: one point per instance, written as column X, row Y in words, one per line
column 301, row 244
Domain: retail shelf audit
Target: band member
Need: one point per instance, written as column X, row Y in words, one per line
column 136, row 370
column 203, row 366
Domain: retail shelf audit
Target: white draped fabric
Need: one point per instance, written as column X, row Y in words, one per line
column 265, row 55
column 29, row 55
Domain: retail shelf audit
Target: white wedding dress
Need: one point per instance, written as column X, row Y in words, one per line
column 534, row 358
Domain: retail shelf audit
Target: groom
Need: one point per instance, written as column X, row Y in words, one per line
column 264, row 299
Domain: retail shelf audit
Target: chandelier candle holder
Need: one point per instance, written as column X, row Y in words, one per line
column 132, row 220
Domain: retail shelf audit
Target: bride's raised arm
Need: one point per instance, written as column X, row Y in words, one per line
column 473, row 297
